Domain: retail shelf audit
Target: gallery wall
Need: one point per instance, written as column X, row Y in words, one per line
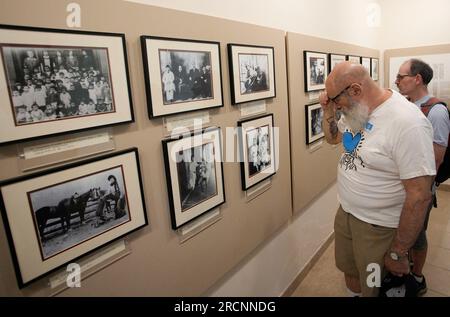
column 313, row 166
column 158, row 264
column 348, row 21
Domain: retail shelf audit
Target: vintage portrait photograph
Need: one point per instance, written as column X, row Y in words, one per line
column 334, row 59
column 314, row 116
column 256, row 140
column 194, row 171
column 258, row 149
column 52, row 83
column 185, row 76
column 365, row 61
column 252, row 70
column 316, row 70
column 196, row 174
column 55, row 216
column 354, row 59
column 375, row 68
column 181, row 75
column 75, row 211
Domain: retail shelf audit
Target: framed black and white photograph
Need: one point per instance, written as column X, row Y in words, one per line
column 314, row 116
column 181, row 75
column 334, row 59
column 256, row 140
column 59, row 81
column 316, row 70
column 194, row 174
column 56, row 216
column 375, row 68
column 354, row 59
column 252, row 72
column 365, row 62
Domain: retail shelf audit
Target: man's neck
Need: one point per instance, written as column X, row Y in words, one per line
column 419, row 94
column 378, row 98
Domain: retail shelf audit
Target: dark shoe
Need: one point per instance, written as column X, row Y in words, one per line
column 421, row 287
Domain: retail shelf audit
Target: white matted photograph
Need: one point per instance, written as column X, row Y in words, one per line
column 334, row 59
column 316, row 70
column 256, row 140
column 59, row 81
column 314, row 116
column 365, row 62
column 194, row 172
column 375, row 68
column 252, row 72
column 354, row 59
column 181, row 75
column 56, row 216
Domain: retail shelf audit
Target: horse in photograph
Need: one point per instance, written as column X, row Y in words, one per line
column 63, row 210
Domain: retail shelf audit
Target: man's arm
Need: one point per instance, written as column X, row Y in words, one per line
column 329, row 121
column 418, row 197
column 439, row 153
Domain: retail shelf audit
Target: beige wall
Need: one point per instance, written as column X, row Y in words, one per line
column 158, row 264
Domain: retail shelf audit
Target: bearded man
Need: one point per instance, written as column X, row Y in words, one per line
column 384, row 176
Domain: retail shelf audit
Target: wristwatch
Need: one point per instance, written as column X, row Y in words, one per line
column 397, row 256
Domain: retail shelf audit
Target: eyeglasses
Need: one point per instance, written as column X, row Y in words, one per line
column 400, row 76
column 339, row 94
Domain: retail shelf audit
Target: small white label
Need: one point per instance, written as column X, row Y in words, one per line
column 314, row 95
column 73, row 19
column 186, row 121
column 201, row 221
column 252, row 108
column 32, row 152
column 116, row 248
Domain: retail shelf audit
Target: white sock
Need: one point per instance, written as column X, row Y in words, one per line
column 353, row 294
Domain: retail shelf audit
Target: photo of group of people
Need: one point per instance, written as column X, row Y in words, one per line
column 258, row 150
column 253, row 72
column 185, row 76
column 316, row 121
column 196, row 174
column 317, row 74
column 53, row 83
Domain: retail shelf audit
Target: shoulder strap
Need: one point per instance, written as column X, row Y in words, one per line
column 426, row 107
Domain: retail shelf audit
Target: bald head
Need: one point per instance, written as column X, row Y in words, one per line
column 344, row 74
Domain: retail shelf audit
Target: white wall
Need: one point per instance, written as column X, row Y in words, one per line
column 411, row 23
column 274, row 266
column 342, row 20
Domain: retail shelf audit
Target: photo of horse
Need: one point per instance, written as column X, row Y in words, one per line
column 75, row 211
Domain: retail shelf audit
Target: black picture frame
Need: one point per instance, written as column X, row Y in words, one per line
column 367, row 64
column 130, row 164
column 13, row 42
column 307, row 58
column 310, row 136
column 191, row 201
column 234, row 67
column 375, row 68
column 244, row 126
column 354, row 59
column 156, row 103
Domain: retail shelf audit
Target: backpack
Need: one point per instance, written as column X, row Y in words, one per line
column 444, row 170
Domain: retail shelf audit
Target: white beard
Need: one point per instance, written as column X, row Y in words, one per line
column 357, row 117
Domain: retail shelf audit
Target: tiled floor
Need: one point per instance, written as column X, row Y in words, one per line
column 324, row 279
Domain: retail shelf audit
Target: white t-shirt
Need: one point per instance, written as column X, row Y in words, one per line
column 396, row 144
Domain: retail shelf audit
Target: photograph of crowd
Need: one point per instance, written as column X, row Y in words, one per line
column 185, row 76
column 48, row 83
column 317, row 73
column 253, row 72
column 75, row 211
column 196, row 171
column 258, row 150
